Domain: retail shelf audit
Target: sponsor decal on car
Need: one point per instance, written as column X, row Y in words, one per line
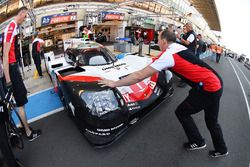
column 134, row 108
column 141, row 90
column 115, row 66
column 157, row 91
column 132, row 104
column 104, row 132
column 97, row 133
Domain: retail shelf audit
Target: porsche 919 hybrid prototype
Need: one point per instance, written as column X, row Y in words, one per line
column 101, row 113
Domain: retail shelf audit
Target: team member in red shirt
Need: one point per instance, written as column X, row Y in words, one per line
column 12, row 74
column 37, row 44
column 205, row 93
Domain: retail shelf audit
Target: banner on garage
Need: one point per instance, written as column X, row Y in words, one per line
column 113, row 16
column 59, row 18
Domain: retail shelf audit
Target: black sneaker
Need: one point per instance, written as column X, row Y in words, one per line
column 34, row 134
column 194, row 146
column 217, row 154
column 22, row 131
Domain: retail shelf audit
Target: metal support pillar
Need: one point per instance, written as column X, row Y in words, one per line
column 140, row 46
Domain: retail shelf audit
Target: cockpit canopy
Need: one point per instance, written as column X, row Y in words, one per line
column 89, row 56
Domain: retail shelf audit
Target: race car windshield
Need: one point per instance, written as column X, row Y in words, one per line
column 96, row 57
column 89, row 56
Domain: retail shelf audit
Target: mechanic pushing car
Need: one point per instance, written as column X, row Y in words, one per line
column 205, row 93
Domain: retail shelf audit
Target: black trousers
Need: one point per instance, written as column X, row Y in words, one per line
column 5, row 147
column 19, row 89
column 218, row 57
column 37, row 61
column 3, row 88
column 196, row 101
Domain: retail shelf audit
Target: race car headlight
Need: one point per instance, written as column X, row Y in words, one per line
column 101, row 102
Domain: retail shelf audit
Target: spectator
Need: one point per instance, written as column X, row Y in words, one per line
column 201, row 46
column 145, row 37
column 86, row 33
column 138, row 35
column 180, row 32
column 225, row 52
column 189, row 39
column 171, row 27
column 12, row 74
column 180, row 36
column 213, row 50
column 219, row 51
column 156, row 36
column 205, row 93
column 36, row 53
column 132, row 36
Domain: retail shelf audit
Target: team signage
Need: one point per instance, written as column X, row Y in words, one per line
column 112, row 16
column 59, row 18
column 149, row 21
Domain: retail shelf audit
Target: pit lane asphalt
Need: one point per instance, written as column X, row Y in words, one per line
column 156, row 140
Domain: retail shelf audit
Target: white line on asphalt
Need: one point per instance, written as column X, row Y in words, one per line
column 242, row 73
column 248, row 109
column 46, row 114
column 40, row 91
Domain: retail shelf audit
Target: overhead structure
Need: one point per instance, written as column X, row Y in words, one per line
column 209, row 11
column 205, row 7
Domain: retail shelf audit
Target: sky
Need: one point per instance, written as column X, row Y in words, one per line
column 235, row 24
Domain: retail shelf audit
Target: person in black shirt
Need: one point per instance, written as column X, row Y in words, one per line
column 36, row 53
column 200, row 45
column 189, row 39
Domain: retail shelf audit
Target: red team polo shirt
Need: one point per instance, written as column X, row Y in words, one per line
column 10, row 33
column 183, row 63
